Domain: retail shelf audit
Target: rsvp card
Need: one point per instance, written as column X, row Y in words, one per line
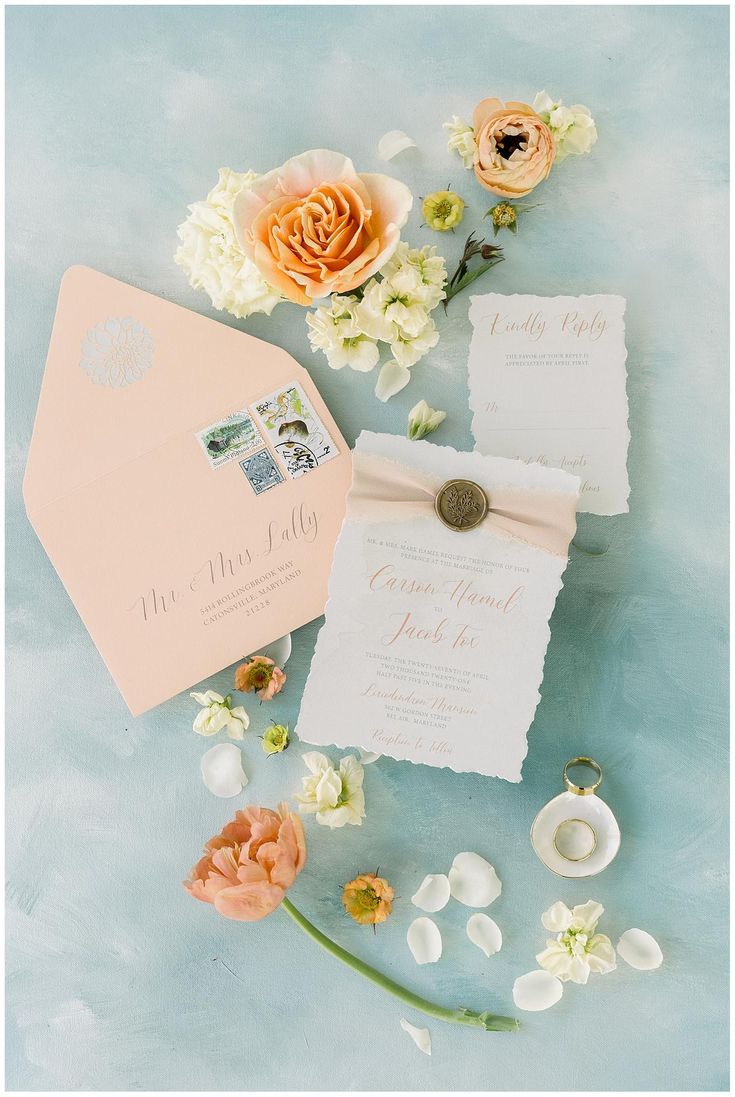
column 547, row 384
column 444, row 577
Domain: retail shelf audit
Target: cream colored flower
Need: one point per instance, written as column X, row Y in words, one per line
column 388, row 311
column 217, row 713
column 577, row 951
column 334, row 796
column 423, row 420
column 573, row 128
column 211, row 256
column 418, row 272
column 461, row 140
column 408, row 349
column 334, row 329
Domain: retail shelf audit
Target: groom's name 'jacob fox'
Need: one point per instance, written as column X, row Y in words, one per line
column 457, row 591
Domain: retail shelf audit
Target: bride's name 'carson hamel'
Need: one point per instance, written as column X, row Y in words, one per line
column 459, row 592
column 301, row 524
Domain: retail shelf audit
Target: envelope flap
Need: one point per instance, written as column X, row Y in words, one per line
column 126, row 372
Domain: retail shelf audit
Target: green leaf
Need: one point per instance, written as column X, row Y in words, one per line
column 469, row 278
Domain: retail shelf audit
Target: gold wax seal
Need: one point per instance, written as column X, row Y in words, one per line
column 461, row 504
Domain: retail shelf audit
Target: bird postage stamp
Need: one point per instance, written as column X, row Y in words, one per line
column 229, row 438
column 300, row 440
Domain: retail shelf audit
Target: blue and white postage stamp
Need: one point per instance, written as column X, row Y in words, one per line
column 262, row 471
column 298, row 436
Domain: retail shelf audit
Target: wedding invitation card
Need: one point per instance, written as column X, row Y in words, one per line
column 547, row 384
column 444, row 577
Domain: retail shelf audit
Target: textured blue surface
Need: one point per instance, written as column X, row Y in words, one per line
column 117, row 980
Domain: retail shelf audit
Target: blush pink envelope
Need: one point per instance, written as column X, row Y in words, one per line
column 187, row 482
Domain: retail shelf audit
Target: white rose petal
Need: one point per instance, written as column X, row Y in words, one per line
column 473, row 881
column 424, row 940
column 536, row 991
column 433, row 894
column 420, row 1036
column 368, row 756
column 222, row 770
column 279, row 651
column 485, row 933
column 391, row 379
column 640, row 950
column 393, row 142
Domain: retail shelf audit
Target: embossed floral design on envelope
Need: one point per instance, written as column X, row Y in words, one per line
column 179, row 560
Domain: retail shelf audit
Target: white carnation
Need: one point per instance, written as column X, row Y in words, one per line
column 212, row 258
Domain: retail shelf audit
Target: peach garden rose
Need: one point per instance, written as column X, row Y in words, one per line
column 315, row 226
column 515, row 147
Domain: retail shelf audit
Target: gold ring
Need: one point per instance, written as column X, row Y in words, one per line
column 584, row 856
column 582, row 790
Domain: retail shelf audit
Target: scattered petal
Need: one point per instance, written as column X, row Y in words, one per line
column 368, row 756
column 640, row 950
column 536, row 991
column 393, row 142
column 485, row 933
column 424, row 940
column 420, row 1036
column 391, row 379
column 279, row 651
column 557, row 918
column 473, row 881
column 222, row 770
column 433, row 894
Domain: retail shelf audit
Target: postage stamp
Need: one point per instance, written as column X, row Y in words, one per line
column 299, row 438
column 262, row 471
column 229, row 438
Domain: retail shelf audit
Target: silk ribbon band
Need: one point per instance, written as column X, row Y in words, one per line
column 384, row 490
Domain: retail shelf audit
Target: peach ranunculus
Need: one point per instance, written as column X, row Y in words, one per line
column 515, row 147
column 314, row 226
column 261, row 676
column 247, row 869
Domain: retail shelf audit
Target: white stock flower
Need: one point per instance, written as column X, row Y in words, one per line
column 408, row 349
column 334, row 796
column 418, row 272
column 461, row 140
column 217, row 713
column 423, row 420
column 211, row 256
column 334, row 329
column 386, row 313
column 572, row 128
column 577, row 951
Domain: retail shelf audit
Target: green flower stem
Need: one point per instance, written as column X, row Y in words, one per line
column 488, row 1021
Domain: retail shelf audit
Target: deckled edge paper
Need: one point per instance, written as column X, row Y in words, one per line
column 523, row 438
column 343, row 670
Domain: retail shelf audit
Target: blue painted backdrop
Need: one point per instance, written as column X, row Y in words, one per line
column 117, row 117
